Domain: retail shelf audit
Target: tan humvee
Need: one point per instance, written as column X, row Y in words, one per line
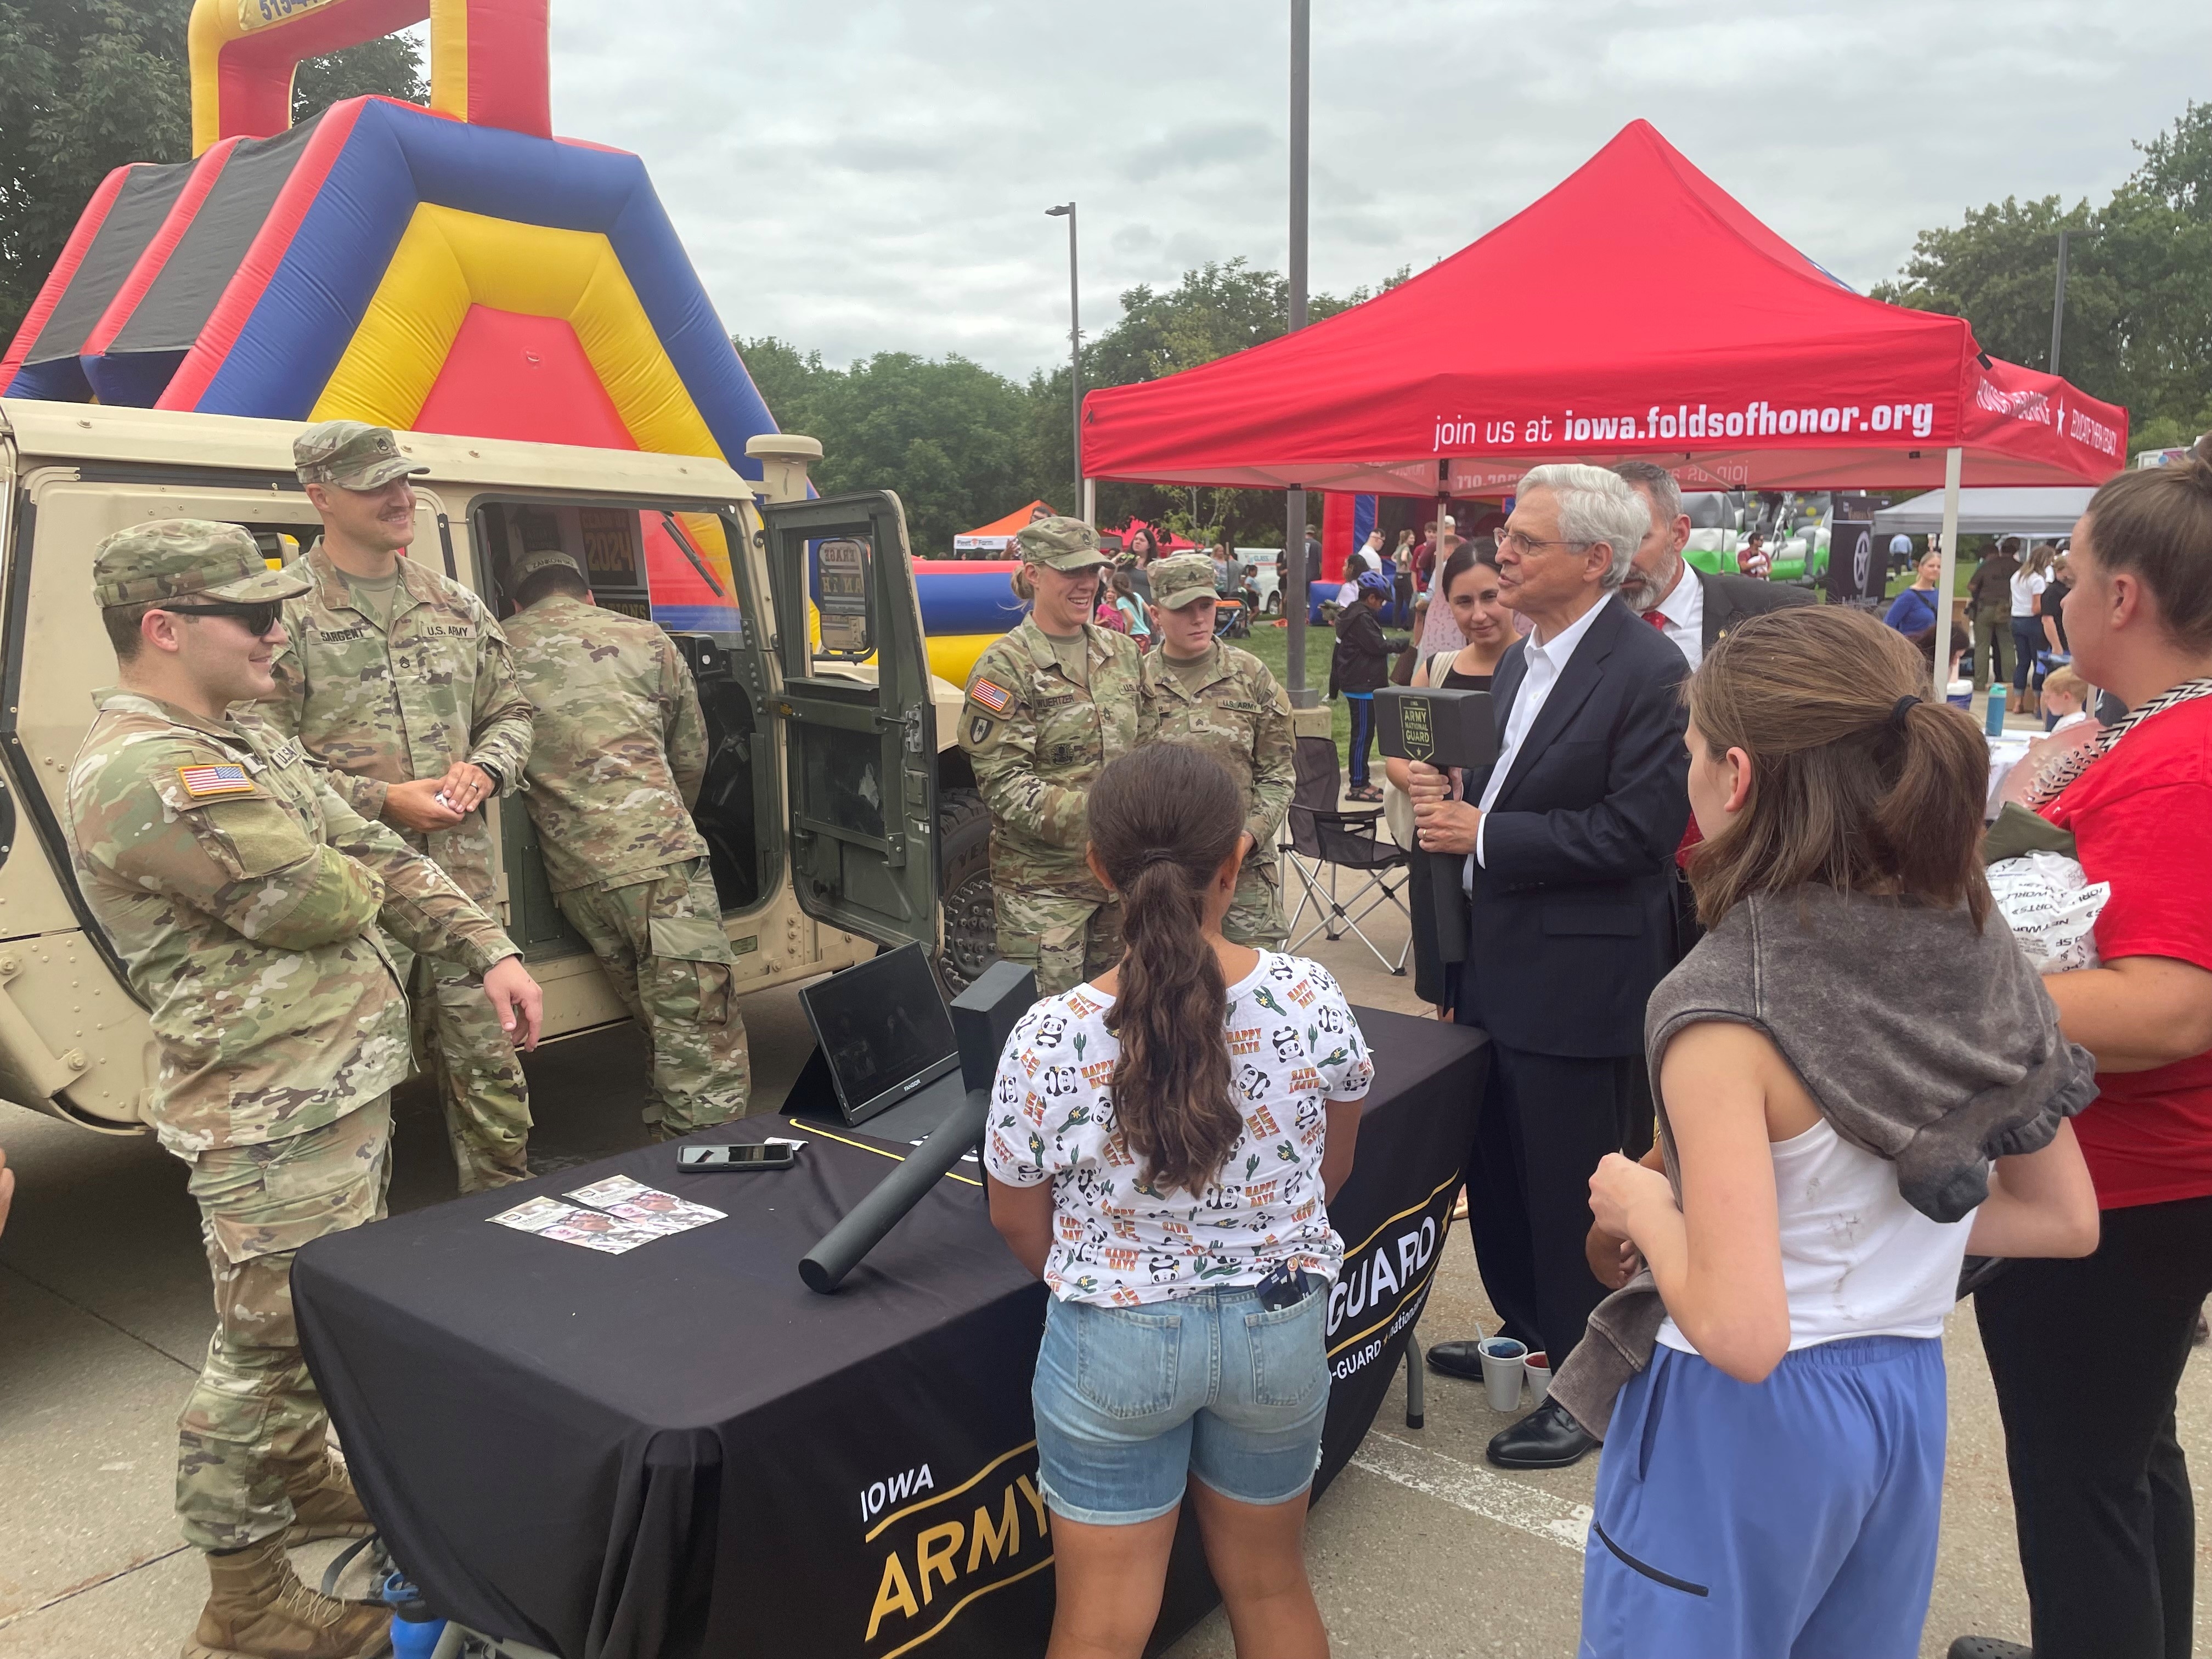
column 836, row 806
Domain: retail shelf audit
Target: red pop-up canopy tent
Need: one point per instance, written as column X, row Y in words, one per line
column 1638, row 309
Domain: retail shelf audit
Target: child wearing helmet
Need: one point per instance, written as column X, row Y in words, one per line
column 1362, row 663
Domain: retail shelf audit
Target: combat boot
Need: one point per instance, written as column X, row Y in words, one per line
column 258, row 1608
column 324, row 1505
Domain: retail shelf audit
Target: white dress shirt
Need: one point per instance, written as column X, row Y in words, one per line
column 1546, row 662
column 1685, row 611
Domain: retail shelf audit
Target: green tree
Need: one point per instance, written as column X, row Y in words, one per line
column 391, row 67
column 947, row 434
column 2138, row 329
column 87, row 86
column 963, row 446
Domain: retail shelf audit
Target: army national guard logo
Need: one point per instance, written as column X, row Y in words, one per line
column 944, row 1545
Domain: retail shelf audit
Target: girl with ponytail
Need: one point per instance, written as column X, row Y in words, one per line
column 1163, row 1140
column 1859, row 1079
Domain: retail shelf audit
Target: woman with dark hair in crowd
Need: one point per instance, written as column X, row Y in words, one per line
column 1859, row 1079
column 1186, row 1359
column 2100, row 1489
column 2026, row 588
column 1469, row 588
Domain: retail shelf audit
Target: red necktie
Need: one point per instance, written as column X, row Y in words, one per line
column 1690, row 835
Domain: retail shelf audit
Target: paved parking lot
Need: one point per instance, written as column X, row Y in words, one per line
column 1421, row 1549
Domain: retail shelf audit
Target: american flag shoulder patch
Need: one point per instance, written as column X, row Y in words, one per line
column 991, row 695
column 209, row 782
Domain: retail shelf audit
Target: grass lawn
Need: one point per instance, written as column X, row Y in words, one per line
column 1271, row 644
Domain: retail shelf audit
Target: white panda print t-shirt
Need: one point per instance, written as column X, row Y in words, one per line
column 1293, row 1047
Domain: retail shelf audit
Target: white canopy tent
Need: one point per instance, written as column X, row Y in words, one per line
column 2006, row 511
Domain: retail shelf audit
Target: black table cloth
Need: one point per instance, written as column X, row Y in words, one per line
column 681, row 1450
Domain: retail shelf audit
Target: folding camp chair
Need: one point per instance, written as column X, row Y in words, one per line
column 1325, row 837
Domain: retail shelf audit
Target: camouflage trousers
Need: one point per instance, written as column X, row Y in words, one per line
column 460, row 1047
column 661, row 943
column 1256, row 911
column 1067, row 939
column 254, row 1422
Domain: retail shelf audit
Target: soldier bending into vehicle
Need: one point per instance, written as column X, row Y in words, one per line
column 619, row 754
column 1214, row 696
column 244, row 896
column 398, row 679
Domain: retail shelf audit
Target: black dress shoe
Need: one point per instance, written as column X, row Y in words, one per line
column 1988, row 1647
column 1547, row 1439
column 1456, row 1359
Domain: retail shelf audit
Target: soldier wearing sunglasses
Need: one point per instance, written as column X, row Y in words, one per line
column 249, row 902
column 398, row 679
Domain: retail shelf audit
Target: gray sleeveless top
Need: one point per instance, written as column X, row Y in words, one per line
column 1924, row 1040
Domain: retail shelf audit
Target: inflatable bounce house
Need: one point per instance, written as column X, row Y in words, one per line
column 455, row 269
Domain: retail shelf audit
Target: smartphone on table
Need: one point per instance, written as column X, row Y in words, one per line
column 703, row 1159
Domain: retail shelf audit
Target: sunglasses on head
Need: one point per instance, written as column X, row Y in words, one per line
column 257, row 619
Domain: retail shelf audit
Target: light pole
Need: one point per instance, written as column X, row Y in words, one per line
column 2058, row 298
column 1294, row 526
column 1075, row 348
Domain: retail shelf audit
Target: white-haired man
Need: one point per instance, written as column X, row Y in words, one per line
column 1570, row 880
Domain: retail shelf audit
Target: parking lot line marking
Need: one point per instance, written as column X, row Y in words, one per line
column 1497, row 1498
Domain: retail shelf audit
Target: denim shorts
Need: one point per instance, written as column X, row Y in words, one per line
column 1131, row 1401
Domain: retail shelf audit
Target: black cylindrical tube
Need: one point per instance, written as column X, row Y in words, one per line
column 824, row 1266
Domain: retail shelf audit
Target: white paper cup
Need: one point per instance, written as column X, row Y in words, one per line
column 1537, row 1367
column 1502, row 1360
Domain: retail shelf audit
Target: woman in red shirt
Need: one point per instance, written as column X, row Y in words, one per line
column 2100, row 1488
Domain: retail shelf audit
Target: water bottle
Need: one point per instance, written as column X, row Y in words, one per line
column 1993, row 717
column 415, row 1628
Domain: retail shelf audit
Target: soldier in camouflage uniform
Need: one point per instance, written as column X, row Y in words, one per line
column 616, row 763
column 1048, row 705
column 398, row 679
column 1214, row 696
column 245, row 896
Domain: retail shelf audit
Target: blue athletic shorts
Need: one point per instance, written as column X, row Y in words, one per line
column 1790, row 1519
column 1130, row 1402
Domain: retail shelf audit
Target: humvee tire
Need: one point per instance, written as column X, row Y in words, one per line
column 971, row 932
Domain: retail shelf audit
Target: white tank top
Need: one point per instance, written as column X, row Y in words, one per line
column 1857, row 1259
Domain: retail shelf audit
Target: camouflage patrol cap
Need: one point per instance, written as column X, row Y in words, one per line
column 1181, row 581
column 1062, row 543
column 545, row 558
column 180, row 558
column 351, row 455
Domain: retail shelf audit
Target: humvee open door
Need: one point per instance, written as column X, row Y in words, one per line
column 861, row 757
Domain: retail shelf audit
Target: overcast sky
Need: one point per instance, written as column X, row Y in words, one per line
column 868, row 177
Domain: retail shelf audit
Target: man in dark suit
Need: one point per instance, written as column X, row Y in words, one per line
column 1570, row 841
column 1693, row 609
column 1690, row 607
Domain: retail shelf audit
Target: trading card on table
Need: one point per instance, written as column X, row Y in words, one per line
column 659, row 1212
column 596, row 1231
column 536, row 1214
column 646, row 1206
column 615, row 1190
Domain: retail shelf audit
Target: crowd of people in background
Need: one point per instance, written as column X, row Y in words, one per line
column 1771, row 1086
